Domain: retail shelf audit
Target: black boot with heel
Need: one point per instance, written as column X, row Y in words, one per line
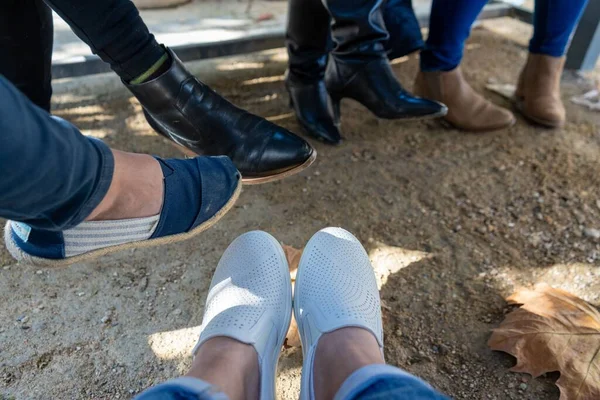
column 358, row 67
column 185, row 110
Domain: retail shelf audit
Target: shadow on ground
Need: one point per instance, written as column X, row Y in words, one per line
column 485, row 214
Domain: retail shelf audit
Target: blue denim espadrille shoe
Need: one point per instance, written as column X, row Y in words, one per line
column 197, row 193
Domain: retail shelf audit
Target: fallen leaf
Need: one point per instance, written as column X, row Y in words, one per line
column 293, row 257
column 554, row 330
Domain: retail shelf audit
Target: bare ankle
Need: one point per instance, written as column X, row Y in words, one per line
column 338, row 355
column 229, row 365
column 136, row 190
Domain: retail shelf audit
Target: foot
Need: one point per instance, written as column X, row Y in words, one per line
column 538, row 91
column 136, row 190
column 194, row 195
column 312, row 106
column 183, row 109
column 467, row 109
column 373, row 84
column 336, row 298
column 339, row 354
column 230, row 365
column 250, row 301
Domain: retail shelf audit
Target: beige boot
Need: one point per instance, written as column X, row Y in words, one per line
column 538, row 91
column 467, row 109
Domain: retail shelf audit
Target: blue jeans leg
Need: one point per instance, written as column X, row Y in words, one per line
column 184, row 388
column 451, row 21
column 52, row 175
column 554, row 22
column 449, row 28
column 379, row 382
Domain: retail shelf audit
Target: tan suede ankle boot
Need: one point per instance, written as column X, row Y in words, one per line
column 538, row 91
column 467, row 109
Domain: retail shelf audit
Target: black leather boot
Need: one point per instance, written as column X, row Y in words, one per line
column 308, row 41
column 358, row 67
column 182, row 108
column 313, row 109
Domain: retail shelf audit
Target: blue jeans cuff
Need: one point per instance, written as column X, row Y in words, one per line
column 363, row 378
column 182, row 388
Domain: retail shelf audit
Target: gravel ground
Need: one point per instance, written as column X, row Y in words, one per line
column 453, row 223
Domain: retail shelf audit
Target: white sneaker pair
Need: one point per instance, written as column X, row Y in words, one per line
column 250, row 298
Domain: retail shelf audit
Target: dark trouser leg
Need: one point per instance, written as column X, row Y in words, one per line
column 26, row 48
column 53, row 176
column 114, row 31
column 403, row 27
column 449, row 27
column 308, row 39
column 358, row 28
column 554, row 22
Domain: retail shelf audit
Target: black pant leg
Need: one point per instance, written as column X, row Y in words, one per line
column 114, row 31
column 26, row 36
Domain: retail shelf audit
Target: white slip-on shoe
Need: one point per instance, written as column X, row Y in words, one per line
column 335, row 288
column 250, row 300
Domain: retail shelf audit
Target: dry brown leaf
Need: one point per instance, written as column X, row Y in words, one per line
column 293, row 257
column 554, row 330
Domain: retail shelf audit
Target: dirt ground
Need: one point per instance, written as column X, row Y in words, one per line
column 453, row 223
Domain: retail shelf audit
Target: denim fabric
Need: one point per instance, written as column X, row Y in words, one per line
column 52, row 175
column 403, row 27
column 385, row 382
column 309, row 41
column 113, row 29
column 184, row 388
column 397, row 388
column 451, row 21
column 368, row 383
column 554, row 22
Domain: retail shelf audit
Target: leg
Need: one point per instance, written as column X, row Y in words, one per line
column 73, row 176
column 247, row 316
column 176, row 104
column 554, row 22
column 26, row 35
column 349, row 366
column 358, row 67
column 538, row 91
column 70, row 198
column 338, row 312
column 308, row 40
column 114, row 31
column 441, row 77
column 403, row 27
column 449, row 28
